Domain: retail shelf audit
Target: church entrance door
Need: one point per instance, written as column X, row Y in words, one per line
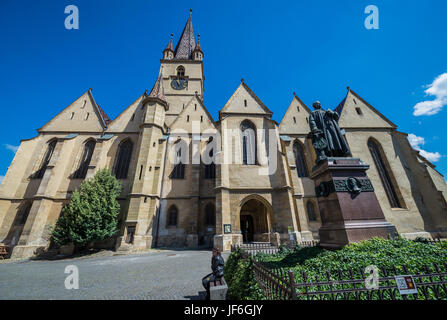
column 247, row 228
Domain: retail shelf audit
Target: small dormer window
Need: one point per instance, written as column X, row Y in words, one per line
column 245, row 103
column 86, row 117
column 298, row 108
column 181, row 71
column 133, row 117
column 187, row 118
column 294, row 120
column 72, row 115
column 359, row 111
column 195, row 107
column 201, row 118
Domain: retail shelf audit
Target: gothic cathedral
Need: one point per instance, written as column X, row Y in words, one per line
column 189, row 180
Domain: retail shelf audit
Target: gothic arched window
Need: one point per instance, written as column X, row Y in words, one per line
column 46, row 160
column 87, row 154
column 310, row 207
column 181, row 71
column 210, row 169
column 178, row 172
column 385, row 175
column 123, row 159
column 210, row 215
column 172, row 216
column 248, row 131
column 300, row 160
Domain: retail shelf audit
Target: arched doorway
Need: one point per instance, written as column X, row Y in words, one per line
column 254, row 221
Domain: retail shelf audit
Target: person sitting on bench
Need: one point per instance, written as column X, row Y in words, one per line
column 217, row 265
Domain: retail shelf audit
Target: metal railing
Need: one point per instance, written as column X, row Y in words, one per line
column 278, row 284
column 253, row 248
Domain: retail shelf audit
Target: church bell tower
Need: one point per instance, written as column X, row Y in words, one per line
column 182, row 71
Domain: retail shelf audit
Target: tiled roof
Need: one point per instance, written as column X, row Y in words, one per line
column 187, row 42
column 169, row 46
column 340, row 106
column 158, row 90
column 198, row 47
column 104, row 115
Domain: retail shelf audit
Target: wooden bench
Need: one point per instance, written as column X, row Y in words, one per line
column 218, row 289
column 3, row 251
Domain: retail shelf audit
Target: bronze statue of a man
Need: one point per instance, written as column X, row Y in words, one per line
column 327, row 139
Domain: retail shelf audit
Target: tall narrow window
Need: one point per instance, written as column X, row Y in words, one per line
column 385, row 176
column 46, row 160
column 248, row 131
column 210, row 215
column 123, row 160
column 178, row 172
column 210, row 169
column 172, row 216
column 311, row 211
column 300, row 160
column 87, row 154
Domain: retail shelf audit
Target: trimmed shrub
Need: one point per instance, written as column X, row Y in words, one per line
column 315, row 261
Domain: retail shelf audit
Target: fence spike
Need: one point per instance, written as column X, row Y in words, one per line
column 404, row 268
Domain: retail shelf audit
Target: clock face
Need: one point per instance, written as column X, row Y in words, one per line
column 179, row 83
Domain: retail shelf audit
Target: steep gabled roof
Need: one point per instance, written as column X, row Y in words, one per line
column 294, row 120
column 187, row 42
column 243, row 85
column 372, row 117
column 104, row 117
column 84, row 105
column 130, row 118
column 187, row 111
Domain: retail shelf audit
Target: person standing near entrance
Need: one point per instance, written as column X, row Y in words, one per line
column 217, row 266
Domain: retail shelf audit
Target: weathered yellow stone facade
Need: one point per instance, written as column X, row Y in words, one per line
column 191, row 205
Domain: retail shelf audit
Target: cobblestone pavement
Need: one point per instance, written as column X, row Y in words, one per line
column 159, row 274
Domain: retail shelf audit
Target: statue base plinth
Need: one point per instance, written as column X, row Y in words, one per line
column 349, row 209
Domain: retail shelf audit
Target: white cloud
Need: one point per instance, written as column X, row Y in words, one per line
column 438, row 89
column 416, row 142
column 430, row 156
column 11, row 147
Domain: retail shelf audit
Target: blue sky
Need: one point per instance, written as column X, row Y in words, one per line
column 315, row 48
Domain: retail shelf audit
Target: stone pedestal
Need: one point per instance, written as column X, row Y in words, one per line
column 349, row 209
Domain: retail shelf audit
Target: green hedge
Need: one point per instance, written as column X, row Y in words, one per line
column 315, row 261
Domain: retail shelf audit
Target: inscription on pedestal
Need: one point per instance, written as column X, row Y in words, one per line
column 350, row 184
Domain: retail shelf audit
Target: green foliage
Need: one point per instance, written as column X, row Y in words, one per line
column 240, row 279
column 92, row 212
column 315, row 261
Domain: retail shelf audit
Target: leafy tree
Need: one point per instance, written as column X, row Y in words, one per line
column 91, row 214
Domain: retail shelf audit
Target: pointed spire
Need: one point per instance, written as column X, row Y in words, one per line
column 198, row 47
column 158, row 90
column 170, row 46
column 187, row 42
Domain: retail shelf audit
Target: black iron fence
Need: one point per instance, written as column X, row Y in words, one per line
column 278, row 284
column 253, row 248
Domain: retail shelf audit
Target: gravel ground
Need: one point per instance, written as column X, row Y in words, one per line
column 154, row 275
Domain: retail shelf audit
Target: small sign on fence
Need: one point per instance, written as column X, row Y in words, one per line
column 405, row 284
